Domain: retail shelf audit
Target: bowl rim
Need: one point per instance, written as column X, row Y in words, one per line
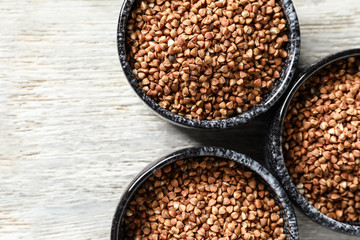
column 277, row 162
column 286, row 75
column 190, row 152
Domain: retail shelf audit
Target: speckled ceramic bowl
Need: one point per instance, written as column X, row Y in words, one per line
column 293, row 49
column 273, row 186
column 275, row 158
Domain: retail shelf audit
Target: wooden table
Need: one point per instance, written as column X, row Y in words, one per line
column 73, row 133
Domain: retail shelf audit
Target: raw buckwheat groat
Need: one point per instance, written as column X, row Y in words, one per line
column 203, row 198
column 321, row 140
column 206, row 59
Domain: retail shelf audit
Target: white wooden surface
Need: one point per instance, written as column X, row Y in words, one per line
column 73, row 133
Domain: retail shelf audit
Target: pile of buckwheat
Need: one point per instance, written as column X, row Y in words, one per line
column 203, row 198
column 321, row 140
column 206, row 59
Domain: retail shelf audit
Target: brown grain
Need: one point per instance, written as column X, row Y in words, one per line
column 321, row 140
column 224, row 53
column 191, row 209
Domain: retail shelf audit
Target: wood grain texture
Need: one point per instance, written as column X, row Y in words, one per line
column 73, row 133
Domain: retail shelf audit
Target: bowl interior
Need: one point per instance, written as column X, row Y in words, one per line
column 260, row 173
column 276, row 158
column 280, row 85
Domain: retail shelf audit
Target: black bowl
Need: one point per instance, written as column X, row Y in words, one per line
column 263, row 175
column 280, row 85
column 274, row 154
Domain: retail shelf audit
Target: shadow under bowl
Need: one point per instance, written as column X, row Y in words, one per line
column 269, row 99
column 261, row 174
column 274, row 153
